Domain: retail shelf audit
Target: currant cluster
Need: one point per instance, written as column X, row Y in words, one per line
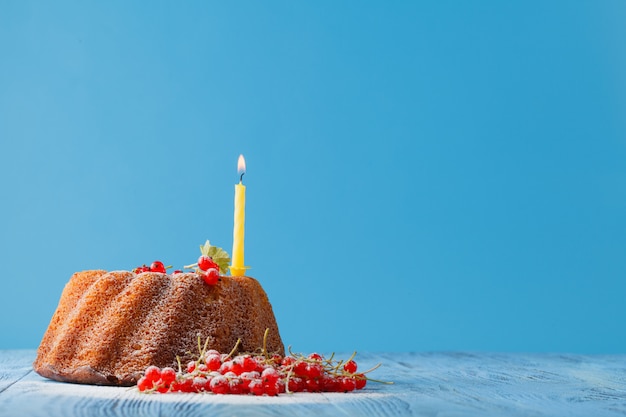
column 218, row 373
column 208, row 270
column 156, row 266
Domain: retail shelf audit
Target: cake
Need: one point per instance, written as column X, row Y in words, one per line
column 110, row 326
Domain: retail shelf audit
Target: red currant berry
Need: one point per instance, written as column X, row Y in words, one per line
column 249, row 364
column 237, row 386
column 246, row 378
column 271, row 388
column 200, row 384
column 168, row 375
column 219, row 385
column 176, row 386
column 314, row 370
column 157, row 266
column 288, row 361
column 282, row 386
column 350, row 367
column 300, row 368
column 186, row 385
column 230, row 375
column 206, row 262
column 295, row 384
column 213, row 362
column 256, row 387
column 191, row 366
column 237, row 366
column 315, row 357
column 226, row 367
column 348, row 384
column 211, row 276
column 330, row 384
column 269, row 376
column 260, row 363
column 153, row 373
column 250, row 375
column 312, row 385
column 144, row 384
column 360, row 381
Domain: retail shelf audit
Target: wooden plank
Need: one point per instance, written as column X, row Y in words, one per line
column 426, row 384
column 14, row 365
column 513, row 384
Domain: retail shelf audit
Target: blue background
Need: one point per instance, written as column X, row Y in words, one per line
column 440, row 175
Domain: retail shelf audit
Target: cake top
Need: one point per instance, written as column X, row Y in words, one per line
column 213, row 262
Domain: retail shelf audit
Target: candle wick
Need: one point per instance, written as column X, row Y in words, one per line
column 241, row 176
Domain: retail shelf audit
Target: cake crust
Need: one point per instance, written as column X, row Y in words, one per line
column 110, row 326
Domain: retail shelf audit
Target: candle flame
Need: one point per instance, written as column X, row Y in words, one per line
column 241, row 165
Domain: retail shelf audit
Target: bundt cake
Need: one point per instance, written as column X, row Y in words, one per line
column 110, row 326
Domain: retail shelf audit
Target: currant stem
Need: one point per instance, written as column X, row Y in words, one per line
column 287, row 390
column 267, row 330
column 232, row 352
column 371, row 369
column 380, row 382
column 203, row 350
column 342, row 362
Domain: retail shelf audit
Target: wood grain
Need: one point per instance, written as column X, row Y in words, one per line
column 426, row 384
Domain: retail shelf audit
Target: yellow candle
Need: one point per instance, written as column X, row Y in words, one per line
column 237, row 268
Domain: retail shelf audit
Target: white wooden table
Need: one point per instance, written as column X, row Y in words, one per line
column 426, row 384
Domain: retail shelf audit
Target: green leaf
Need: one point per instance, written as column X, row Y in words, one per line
column 204, row 249
column 219, row 255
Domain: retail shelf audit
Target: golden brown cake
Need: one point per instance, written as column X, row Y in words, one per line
column 110, row 326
